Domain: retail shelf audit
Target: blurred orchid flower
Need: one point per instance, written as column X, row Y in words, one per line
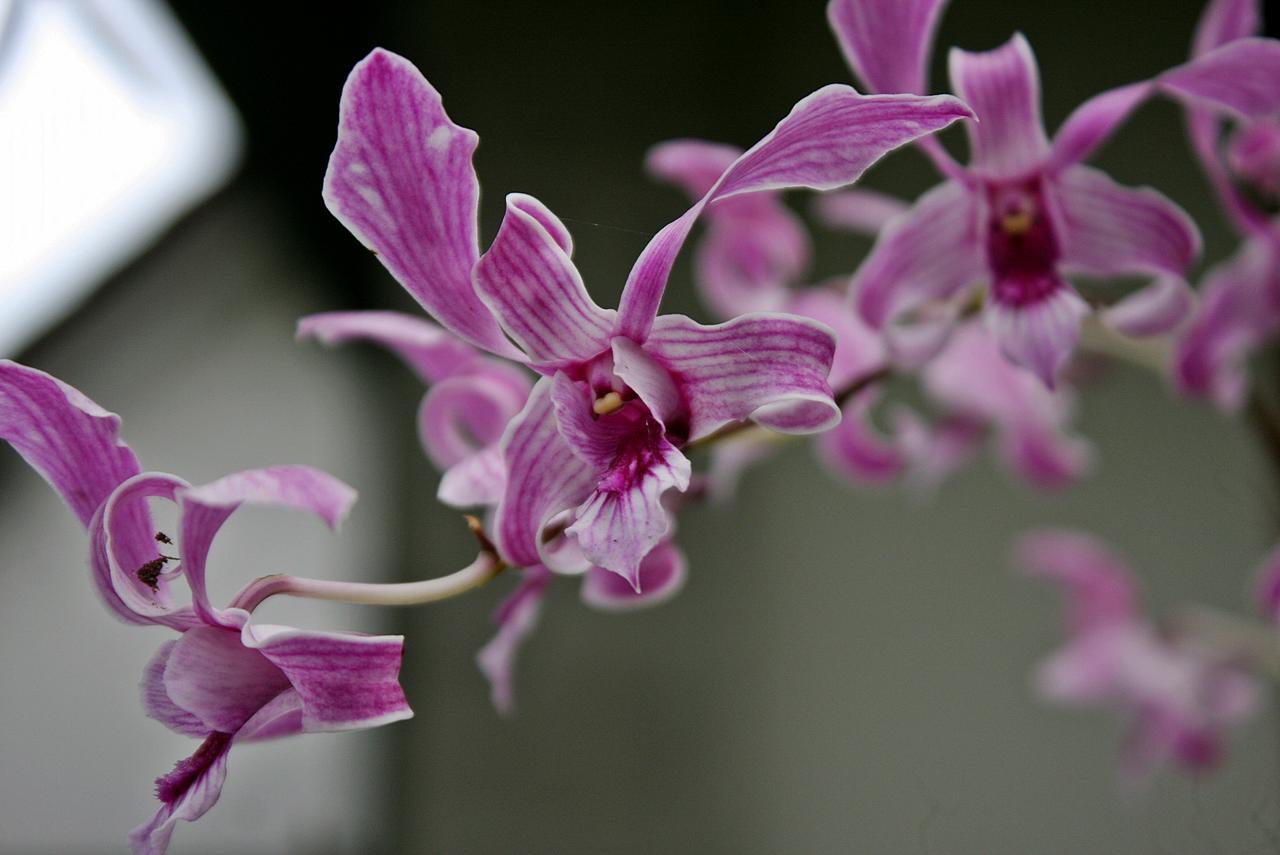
column 1179, row 698
column 597, row 445
column 1240, row 298
column 1025, row 212
column 224, row 680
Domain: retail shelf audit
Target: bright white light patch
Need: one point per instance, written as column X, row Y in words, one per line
column 110, row 128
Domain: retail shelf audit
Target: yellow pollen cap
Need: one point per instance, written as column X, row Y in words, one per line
column 605, row 404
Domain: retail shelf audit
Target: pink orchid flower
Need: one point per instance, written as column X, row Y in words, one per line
column 224, row 680
column 1025, row 212
column 598, row 444
column 1240, row 298
column 1179, row 698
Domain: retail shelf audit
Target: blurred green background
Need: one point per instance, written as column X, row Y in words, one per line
column 846, row 671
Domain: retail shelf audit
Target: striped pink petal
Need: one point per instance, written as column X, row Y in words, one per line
column 662, row 575
column 1238, row 77
column 1003, row 88
column 1092, row 123
column 1098, row 585
column 401, row 179
column 187, row 793
column 1225, row 21
column 887, row 42
column 1160, row 307
column 528, row 281
column 466, row 414
column 1038, row 333
column 857, row 210
column 431, row 352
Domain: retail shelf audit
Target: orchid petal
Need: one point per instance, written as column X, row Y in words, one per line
column 1098, row 584
column 1044, row 456
column 1109, row 229
column 856, row 449
column 649, row 380
column 462, row 415
column 528, row 281
column 401, row 179
column 478, row 480
column 1225, row 21
column 345, row 681
column 126, row 539
column 827, row 141
column 213, row 676
column 1039, row 335
column 188, row 792
column 517, row 618
column 860, row 351
column 545, row 478
column 431, row 352
column 71, row 441
column 662, row 575
column 1239, row 77
column 933, row 452
column 692, row 165
column 1086, row 670
column 887, row 42
column 1003, row 88
column 765, row 367
column 1092, row 123
column 731, row 457
column 206, row 508
column 157, row 703
column 857, row 210
column 928, row 254
column 1158, row 308
column 1267, row 590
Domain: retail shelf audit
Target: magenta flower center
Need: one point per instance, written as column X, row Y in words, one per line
column 1022, row 250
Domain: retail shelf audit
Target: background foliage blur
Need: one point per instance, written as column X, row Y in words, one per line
column 846, row 671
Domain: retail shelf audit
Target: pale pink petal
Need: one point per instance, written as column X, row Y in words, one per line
column 156, row 702
column 527, row 279
column 431, row 352
column 1044, row 455
column 1239, row 77
column 1092, row 123
column 662, row 575
column 188, row 792
column 887, row 42
column 749, row 259
column 928, row 254
column 860, row 350
column 1160, row 307
column 401, row 179
column 855, row 449
column 71, row 441
column 692, row 165
column 545, row 478
column 649, row 380
column 1040, row 334
column 827, row 141
column 345, row 681
column 857, row 210
column 477, row 480
column 1003, row 88
column 206, row 508
column 465, row 414
column 1110, row 230
column 731, row 457
column 214, row 677
column 768, row 368
column 1225, row 21
column 1236, row 314
column 517, row 617
column 933, row 452
column 1086, row 670
column 1099, row 587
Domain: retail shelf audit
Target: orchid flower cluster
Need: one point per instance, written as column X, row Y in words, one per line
column 566, row 429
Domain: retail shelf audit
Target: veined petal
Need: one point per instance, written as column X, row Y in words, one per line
column 1160, row 307
column 431, row 352
column 206, row 508
column 1108, row 229
column 544, row 479
column 827, row 141
column 188, row 792
column 649, row 380
column 855, row 449
column 214, row 677
column 474, row 481
column 624, row 519
column 927, row 254
column 463, row 415
column 887, row 42
column 692, row 165
column 1238, row 77
column 156, row 702
column 1098, row 585
column 345, row 681
column 857, row 210
column 1092, row 123
column 125, row 538
column 1225, row 21
column 517, row 618
column 1003, row 88
column 769, row 368
column 71, row 441
column 528, row 281
column 401, row 179
column 662, row 575
column 1041, row 333
column 860, row 350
